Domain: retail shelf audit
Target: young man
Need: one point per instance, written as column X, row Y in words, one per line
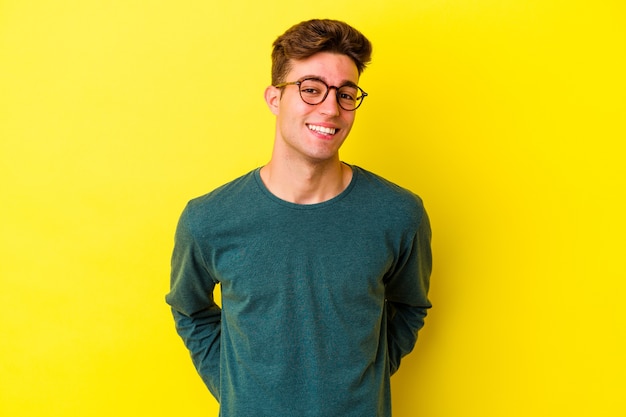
column 324, row 267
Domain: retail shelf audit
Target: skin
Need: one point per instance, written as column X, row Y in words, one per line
column 305, row 167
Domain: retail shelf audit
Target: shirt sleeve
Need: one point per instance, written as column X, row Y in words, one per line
column 406, row 294
column 196, row 315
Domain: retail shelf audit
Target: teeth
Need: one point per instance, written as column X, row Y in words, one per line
column 321, row 129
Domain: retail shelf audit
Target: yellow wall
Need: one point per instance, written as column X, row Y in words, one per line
column 508, row 117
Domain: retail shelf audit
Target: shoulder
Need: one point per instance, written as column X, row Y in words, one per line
column 222, row 201
column 383, row 192
column 388, row 203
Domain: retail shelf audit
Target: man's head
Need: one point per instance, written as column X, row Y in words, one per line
column 308, row 38
column 313, row 120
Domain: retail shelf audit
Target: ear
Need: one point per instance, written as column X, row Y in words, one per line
column 272, row 98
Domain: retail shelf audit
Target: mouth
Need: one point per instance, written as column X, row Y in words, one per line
column 329, row 131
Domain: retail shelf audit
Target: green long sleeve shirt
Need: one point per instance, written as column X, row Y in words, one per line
column 319, row 302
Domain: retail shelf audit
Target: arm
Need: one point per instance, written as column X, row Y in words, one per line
column 407, row 295
column 196, row 315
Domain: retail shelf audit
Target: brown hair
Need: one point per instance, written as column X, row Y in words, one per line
column 310, row 37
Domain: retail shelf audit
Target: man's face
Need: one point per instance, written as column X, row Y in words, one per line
column 313, row 132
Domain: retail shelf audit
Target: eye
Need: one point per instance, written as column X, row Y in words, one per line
column 309, row 90
column 312, row 88
column 348, row 94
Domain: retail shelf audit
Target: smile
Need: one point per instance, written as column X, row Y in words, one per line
column 322, row 129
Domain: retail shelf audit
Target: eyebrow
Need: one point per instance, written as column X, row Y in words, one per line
column 344, row 83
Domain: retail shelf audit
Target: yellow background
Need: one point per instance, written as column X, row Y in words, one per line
column 507, row 117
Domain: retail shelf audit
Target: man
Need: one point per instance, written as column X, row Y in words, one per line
column 324, row 267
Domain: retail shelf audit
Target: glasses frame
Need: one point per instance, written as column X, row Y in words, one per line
column 328, row 87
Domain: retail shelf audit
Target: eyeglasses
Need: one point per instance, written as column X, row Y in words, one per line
column 314, row 91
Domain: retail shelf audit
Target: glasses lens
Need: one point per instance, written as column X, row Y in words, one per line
column 313, row 91
column 349, row 97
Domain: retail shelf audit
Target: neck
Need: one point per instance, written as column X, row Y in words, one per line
column 306, row 183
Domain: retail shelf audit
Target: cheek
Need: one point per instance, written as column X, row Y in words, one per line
column 293, row 109
column 349, row 118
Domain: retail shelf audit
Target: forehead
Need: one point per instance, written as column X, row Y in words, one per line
column 335, row 69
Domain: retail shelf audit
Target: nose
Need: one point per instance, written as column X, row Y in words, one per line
column 330, row 105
